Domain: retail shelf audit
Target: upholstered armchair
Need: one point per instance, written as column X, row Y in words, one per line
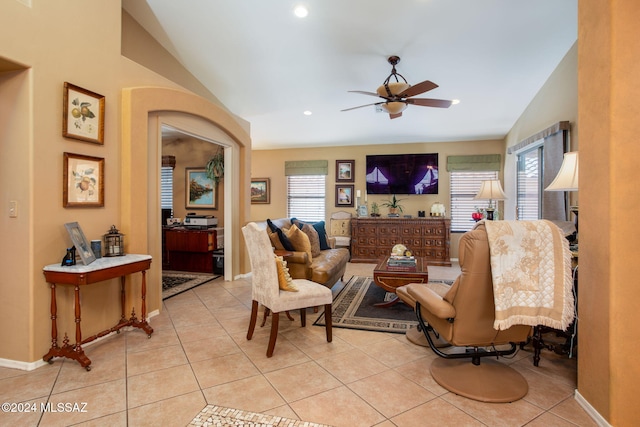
column 266, row 287
column 464, row 317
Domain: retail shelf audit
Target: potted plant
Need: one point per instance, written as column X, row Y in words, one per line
column 215, row 166
column 394, row 205
column 375, row 209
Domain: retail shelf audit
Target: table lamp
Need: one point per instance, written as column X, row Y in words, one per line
column 490, row 190
column 567, row 178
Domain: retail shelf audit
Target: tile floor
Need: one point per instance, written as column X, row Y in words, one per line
column 199, row 355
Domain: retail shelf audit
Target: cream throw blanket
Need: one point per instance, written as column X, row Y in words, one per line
column 531, row 271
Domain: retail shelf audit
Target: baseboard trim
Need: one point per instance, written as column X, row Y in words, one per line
column 30, row 366
column 591, row 411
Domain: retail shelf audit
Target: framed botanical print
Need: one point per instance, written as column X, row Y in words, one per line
column 344, row 195
column 83, row 114
column 345, row 170
column 260, row 191
column 200, row 190
column 83, row 181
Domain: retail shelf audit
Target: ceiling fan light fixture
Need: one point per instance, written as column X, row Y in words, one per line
column 395, row 88
column 393, row 107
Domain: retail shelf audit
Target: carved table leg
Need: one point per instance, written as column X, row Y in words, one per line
column 54, row 326
column 142, row 323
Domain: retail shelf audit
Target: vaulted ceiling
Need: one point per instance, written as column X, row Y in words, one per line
column 268, row 66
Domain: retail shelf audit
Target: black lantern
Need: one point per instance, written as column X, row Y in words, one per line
column 113, row 242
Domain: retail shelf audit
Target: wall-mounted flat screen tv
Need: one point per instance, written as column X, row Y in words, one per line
column 402, row 174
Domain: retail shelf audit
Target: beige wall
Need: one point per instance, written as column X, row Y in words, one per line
column 556, row 101
column 270, row 164
column 192, row 153
column 31, row 147
column 608, row 92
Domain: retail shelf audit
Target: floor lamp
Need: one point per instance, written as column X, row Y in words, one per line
column 490, row 190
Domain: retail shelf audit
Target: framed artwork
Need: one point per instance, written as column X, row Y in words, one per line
column 80, row 242
column 199, row 189
column 83, row 181
column 82, row 114
column 345, row 170
column 344, row 195
column 260, row 191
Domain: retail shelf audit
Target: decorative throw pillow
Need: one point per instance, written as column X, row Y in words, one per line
column 312, row 234
column 319, row 226
column 299, row 240
column 286, row 244
column 284, row 278
column 275, row 239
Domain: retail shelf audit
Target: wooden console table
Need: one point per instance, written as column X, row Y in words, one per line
column 78, row 275
column 428, row 238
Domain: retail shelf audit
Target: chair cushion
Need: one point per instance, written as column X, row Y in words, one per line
column 299, row 240
column 284, row 278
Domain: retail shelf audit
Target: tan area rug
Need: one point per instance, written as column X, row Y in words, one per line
column 218, row 416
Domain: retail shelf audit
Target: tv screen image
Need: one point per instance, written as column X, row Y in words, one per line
column 402, row 174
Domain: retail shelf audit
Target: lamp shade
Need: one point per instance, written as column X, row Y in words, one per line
column 567, row 178
column 490, row 190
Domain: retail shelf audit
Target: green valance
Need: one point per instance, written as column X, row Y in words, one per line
column 481, row 162
column 306, row 167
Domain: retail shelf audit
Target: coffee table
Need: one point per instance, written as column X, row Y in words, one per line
column 389, row 278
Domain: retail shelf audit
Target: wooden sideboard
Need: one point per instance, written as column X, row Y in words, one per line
column 373, row 238
column 188, row 249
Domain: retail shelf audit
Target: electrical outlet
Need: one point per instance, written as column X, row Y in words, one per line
column 13, row 209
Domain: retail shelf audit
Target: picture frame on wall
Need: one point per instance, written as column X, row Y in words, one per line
column 83, row 181
column 344, row 196
column 345, row 170
column 200, row 191
column 80, row 242
column 260, row 191
column 83, row 114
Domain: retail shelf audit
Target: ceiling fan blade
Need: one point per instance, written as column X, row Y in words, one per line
column 427, row 102
column 363, row 92
column 360, row 106
column 418, row 88
column 395, row 116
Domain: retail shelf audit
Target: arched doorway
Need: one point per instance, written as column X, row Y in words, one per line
column 145, row 110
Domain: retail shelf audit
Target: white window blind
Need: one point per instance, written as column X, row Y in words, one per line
column 464, row 187
column 306, row 197
column 529, row 184
column 166, row 188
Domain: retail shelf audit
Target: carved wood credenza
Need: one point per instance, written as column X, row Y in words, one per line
column 373, row 238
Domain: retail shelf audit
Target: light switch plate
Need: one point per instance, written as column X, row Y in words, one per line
column 13, row 209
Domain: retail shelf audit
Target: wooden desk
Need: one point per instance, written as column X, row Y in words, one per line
column 389, row 278
column 79, row 275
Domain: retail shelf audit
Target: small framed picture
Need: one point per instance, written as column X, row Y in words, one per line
column 344, row 195
column 83, row 181
column 345, row 170
column 260, row 191
column 200, row 190
column 83, row 114
column 80, row 242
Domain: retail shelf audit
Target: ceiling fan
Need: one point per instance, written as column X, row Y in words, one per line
column 398, row 95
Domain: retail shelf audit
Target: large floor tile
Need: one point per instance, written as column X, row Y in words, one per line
column 309, row 377
column 160, row 385
column 436, row 413
column 180, row 410
column 254, row 394
column 224, row 369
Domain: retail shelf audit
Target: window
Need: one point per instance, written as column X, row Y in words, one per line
column 529, row 184
column 306, row 197
column 166, row 188
column 464, row 187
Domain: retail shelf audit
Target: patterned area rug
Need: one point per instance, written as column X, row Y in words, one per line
column 354, row 308
column 177, row 283
column 218, row 416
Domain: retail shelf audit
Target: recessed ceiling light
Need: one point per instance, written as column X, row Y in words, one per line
column 455, row 101
column 301, row 11
column 307, row 113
